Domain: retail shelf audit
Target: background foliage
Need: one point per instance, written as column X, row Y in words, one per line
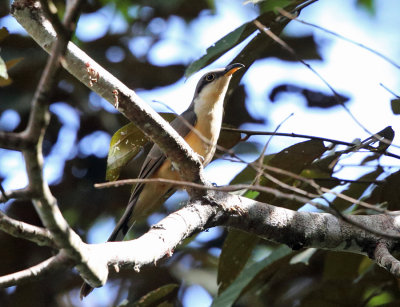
column 251, row 271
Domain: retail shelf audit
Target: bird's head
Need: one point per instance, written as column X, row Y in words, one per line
column 214, row 84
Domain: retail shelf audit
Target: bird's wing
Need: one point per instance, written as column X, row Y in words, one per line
column 182, row 124
column 155, row 158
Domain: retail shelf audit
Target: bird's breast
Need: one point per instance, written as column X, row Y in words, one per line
column 203, row 138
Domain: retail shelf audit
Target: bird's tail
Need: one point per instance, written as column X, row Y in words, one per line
column 118, row 234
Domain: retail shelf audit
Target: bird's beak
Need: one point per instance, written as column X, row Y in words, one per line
column 232, row 68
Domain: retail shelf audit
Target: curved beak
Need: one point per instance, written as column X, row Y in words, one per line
column 232, row 68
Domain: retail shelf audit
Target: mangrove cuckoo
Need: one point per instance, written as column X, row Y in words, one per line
column 200, row 126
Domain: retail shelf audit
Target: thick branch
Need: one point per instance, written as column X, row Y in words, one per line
column 295, row 229
column 309, row 229
column 160, row 241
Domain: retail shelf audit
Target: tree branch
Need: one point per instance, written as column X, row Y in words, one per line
column 14, row 141
column 36, row 272
column 22, row 230
column 295, row 229
column 24, row 193
column 386, row 260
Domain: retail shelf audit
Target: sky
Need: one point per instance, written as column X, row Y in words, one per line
column 349, row 69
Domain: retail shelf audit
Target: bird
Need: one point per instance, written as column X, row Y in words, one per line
column 200, row 126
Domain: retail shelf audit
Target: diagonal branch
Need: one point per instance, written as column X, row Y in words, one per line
column 36, row 272
column 26, row 231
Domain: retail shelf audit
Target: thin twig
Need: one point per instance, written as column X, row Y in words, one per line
column 304, row 136
column 3, row 192
column 261, row 157
column 322, row 190
column 237, row 187
column 294, row 135
column 228, row 188
column 341, row 181
column 390, row 91
column 293, row 17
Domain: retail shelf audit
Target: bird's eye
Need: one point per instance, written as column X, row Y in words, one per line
column 210, row 77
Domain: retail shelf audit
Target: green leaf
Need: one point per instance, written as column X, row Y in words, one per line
column 251, row 194
column 388, row 192
column 395, row 104
column 323, row 167
column 356, row 189
column 298, row 156
column 220, row 47
column 271, row 5
column 294, row 159
column 125, row 144
column 228, row 139
column 247, row 175
column 340, row 266
column 232, row 39
column 366, row 265
column 369, row 5
column 232, row 293
column 163, row 296
column 236, row 250
column 3, row 33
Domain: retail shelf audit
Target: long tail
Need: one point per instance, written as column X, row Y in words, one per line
column 118, row 234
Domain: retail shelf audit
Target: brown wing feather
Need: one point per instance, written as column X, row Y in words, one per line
column 155, row 158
